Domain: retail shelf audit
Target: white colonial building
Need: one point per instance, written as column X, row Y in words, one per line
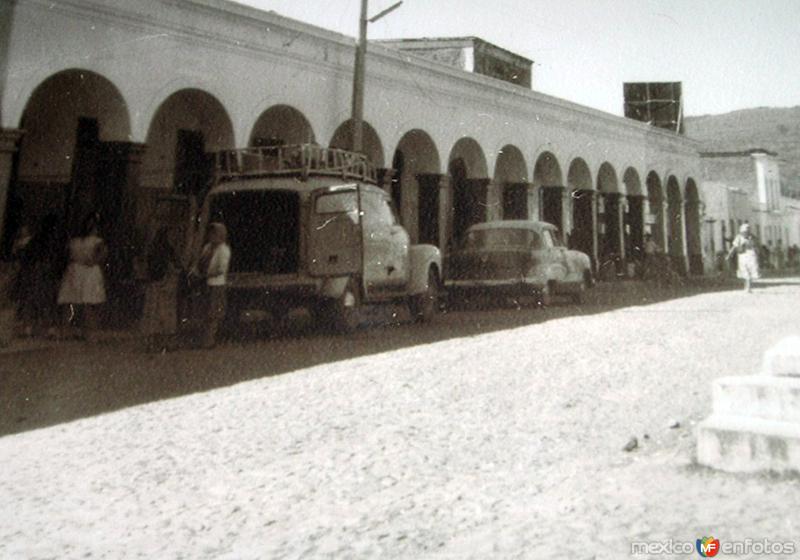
column 104, row 103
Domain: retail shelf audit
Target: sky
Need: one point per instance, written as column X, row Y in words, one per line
column 729, row 54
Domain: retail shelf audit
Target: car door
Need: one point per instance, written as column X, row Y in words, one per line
column 556, row 257
column 573, row 270
column 334, row 236
column 398, row 264
column 385, row 245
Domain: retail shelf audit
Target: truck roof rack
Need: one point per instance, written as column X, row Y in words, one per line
column 296, row 159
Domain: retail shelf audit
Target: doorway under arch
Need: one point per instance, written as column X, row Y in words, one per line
column 549, row 183
column 415, row 186
column 583, row 236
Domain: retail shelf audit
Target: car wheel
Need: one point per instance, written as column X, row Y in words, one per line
column 577, row 296
column 347, row 309
column 231, row 326
column 546, row 295
column 425, row 305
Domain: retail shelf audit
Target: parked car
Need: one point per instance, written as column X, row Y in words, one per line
column 517, row 258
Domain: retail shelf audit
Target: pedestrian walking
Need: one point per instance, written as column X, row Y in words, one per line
column 213, row 268
column 83, row 286
column 160, row 317
column 40, row 262
column 745, row 247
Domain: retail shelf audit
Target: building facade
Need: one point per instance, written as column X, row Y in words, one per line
column 105, row 104
column 745, row 187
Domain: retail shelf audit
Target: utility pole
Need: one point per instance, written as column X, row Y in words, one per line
column 360, row 71
column 358, row 81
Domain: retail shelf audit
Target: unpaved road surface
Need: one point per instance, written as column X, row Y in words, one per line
column 487, row 434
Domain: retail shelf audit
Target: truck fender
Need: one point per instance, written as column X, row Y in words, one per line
column 421, row 258
column 333, row 287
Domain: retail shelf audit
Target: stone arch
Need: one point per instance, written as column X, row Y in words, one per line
column 579, row 177
column 607, row 178
column 470, row 152
column 510, row 185
column 415, row 186
column 693, row 234
column 77, row 128
column 372, row 146
column 632, row 182
column 547, row 171
column 281, row 125
column 186, row 128
column 469, row 185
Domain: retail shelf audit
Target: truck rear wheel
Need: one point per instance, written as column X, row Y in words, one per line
column 424, row 306
column 546, row 293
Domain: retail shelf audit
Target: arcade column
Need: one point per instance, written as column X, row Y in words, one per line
column 534, row 212
column 9, row 144
column 657, row 220
column 495, row 194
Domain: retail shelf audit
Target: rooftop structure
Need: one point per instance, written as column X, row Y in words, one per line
column 471, row 54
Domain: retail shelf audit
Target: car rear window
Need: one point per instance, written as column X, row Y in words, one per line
column 498, row 238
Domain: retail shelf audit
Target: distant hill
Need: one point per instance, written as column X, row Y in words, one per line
column 773, row 129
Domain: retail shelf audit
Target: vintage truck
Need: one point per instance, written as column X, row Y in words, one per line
column 308, row 227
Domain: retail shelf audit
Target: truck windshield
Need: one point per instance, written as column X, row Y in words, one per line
column 337, row 203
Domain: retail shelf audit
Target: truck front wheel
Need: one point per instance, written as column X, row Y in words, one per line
column 343, row 313
column 423, row 306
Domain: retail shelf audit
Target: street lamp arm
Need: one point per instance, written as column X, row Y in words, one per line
column 388, row 10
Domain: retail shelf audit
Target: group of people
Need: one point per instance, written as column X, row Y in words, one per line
column 655, row 264
column 175, row 290
column 58, row 287
column 53, row 275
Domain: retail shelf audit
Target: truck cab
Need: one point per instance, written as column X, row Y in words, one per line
column 308, row 227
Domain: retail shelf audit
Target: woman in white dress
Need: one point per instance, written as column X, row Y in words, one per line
column 745, row 245
column 83, row 286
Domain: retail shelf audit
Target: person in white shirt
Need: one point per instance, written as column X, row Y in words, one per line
column 213, row 266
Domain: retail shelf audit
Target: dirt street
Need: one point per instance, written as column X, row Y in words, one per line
column 487, row 434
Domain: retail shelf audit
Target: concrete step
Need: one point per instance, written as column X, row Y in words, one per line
column 748, row 444
column 758, row 396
